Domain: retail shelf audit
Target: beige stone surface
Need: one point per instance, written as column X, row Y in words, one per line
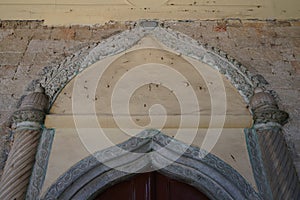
column 134, row 82
column 66, row 12
column 71, row 145
column 172, row 121
column 87, row 118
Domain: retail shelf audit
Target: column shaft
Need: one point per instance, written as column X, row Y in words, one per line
column 18, row 168
column 278, row 164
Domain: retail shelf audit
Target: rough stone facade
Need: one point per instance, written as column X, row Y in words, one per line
column 269, row 48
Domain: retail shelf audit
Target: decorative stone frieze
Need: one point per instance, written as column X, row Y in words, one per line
column 28, row 115
column 40, row 166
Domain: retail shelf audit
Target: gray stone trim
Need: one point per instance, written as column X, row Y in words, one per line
column 27, row 125
column 278, row 164
column 258, row 168
column 237, row 74
column 209, row 174
column 40, row 167
column 55, row 78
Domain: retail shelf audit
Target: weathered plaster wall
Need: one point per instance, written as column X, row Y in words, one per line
column 27, row 47
column 68, row 149
column 269, row 48
column 65, row 12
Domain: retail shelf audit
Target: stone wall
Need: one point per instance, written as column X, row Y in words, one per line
column 269, row 48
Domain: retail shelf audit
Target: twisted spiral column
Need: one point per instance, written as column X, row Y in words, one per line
column 18, row 168
column 278, row 165
column 27, row 129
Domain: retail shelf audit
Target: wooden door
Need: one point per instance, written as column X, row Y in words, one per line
column 151, row 186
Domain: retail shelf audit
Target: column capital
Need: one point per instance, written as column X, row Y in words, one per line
column 33, row 108
column 265, row 109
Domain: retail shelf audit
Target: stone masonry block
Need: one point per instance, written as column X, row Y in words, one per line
column 63, row 34
column 8, row 71
column 296, row 65
column 13, row 45
column 277, row 82
column 21, row 34
column 10, row 58
column 83, row 34
column 13, row 87
column 291, row 32
column 289, row 96
column 26, row 70
column 5, row 32
column 7, row 102
column 42, row 33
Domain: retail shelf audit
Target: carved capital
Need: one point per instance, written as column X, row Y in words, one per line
column 28, row 116
column 33, row 108
column 270, row 115
column 37, row 100
column 265, row 108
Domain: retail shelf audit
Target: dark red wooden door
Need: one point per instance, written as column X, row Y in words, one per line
column 151, row 186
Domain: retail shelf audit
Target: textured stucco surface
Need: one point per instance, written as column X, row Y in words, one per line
column 66, row 12
column 269, row 48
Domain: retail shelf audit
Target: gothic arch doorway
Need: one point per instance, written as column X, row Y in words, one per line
column 149, row 54
column 151, row 150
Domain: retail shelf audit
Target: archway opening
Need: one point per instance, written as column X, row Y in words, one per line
column 150, row 186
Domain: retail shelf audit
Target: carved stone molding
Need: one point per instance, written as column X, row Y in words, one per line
column 210, row 174
column 28, row 116
column 55, row 78
column 40, row 166
column 270, row 115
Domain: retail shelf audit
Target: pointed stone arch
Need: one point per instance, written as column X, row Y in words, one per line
column 209, row 174
column 54, row 79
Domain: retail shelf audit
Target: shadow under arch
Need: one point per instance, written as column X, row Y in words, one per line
column 209, row 174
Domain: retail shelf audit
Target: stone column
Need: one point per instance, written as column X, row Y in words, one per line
column 27, row 128
column 268, row 121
